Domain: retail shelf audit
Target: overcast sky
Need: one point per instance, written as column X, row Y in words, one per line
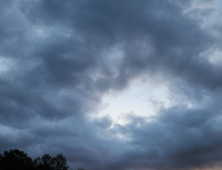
column 113, row 84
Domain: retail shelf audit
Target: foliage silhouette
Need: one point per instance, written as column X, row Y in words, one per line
column 46, row 162
column 60, row 162
column 16, row 159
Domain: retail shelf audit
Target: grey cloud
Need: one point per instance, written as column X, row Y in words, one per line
column 174, row 48
column 60, row 71
column 174, row 141
column 104, row 122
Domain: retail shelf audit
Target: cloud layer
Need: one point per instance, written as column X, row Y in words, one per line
column 59, row 58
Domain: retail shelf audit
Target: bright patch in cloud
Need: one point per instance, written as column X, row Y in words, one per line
column 140, row 99
column 5, row 64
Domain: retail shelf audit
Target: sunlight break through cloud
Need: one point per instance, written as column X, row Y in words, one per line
column 140, row 99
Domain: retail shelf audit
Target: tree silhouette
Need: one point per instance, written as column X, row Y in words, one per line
column 15, row 159
column 60, row 162
column 46, row 162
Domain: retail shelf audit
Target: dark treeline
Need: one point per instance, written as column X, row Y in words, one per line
column 16, row 159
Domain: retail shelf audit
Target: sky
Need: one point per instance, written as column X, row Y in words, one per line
column 113, row 84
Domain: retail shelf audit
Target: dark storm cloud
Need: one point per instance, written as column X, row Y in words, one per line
column 180, row 138
column 61, row 57
column 104, row 122
column 101, row 24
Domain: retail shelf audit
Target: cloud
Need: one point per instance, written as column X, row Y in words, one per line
column 179, row 138
column 61, row 58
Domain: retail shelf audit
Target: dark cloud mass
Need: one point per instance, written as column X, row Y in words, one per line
column 59, row 58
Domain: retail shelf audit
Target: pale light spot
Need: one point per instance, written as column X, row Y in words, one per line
column 8, row 131
column 216, row 57
column 140, row 99
column 5, row 64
